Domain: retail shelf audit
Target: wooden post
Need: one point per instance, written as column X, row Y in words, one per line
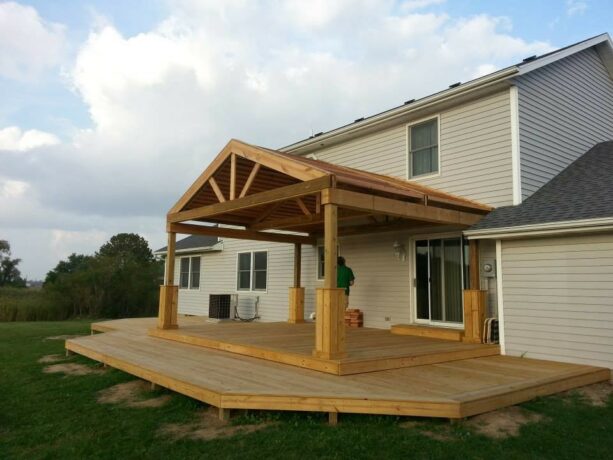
column 169, row 293
column 232, row 176
column 296, row 292
column 473, row 264
column 330, row 314
column 475, row 303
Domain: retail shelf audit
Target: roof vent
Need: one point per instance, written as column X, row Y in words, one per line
column 455, row 85
column 530, row 58
column 358, row 119
column 318, row 134
column 410, row 101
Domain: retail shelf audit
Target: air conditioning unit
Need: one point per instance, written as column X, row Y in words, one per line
column 220, row 306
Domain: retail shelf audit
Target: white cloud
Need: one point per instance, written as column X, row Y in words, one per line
column 28, row 44
column 412, row 5
column 12, row 188
column 165, row 101
column 65, row 242
column 575, row 7
column 13, row 138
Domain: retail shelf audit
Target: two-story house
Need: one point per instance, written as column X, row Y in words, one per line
column 500, row 141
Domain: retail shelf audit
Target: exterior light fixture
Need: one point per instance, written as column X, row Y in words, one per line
column 399, row 251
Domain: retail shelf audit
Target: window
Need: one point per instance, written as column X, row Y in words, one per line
column 423, row 148
column 252, row 271
column 321, row 257
column 189, row 277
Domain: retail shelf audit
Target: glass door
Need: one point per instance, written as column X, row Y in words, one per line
column 440, row 271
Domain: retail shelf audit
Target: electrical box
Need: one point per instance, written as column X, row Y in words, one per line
column 488, row 268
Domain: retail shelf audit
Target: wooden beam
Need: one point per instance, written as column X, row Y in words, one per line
column 303, row 207
column 257, row 199
column 250, row 179
column 297, row 264
column 169, row 275
column 473, row 264
column 397, row 208
column 217, row 190
column 287, row 222
column 271, row 209
column 330, row 245
column 223, row 232
column 232, row 176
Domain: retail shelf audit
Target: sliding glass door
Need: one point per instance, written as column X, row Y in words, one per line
column 440, row 271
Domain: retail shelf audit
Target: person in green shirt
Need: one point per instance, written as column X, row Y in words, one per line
column 344, row 277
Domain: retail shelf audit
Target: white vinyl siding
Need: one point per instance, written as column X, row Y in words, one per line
column 565, row 108
column 475, row 151
column 558, row 298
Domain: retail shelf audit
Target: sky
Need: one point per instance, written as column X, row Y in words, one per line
column 110, row 109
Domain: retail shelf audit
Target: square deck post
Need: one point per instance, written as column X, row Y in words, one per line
column 296, row 292
column 330, row 314
column 169, row 292
column 475, row 299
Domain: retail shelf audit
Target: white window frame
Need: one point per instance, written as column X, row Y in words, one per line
column 251, row 271
column 190, row 272
column 408, row 126
column 323, row 275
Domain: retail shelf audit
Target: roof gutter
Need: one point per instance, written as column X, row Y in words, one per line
column 402, row 111
column 551, row 228
column 216, row 247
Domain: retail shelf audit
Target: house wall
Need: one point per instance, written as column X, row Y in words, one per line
column 557, row 297
column 475, row 151
column 565, row 108
column 382, row 288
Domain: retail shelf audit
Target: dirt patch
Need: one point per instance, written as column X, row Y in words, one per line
column 503, row 423
column 596, row 395
column 63, row 337
column 47, row 359
column 442, row 434
column 71, row 369
column 130, row 394
column 208, row 426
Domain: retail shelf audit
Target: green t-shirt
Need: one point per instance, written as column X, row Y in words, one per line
column 344, row 277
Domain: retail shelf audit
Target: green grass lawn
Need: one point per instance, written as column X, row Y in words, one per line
column 57, row 416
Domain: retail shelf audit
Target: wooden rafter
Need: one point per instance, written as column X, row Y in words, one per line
column 250, row 179
column 257, row 199
column 303, row 207
column 217, row 190
column 232, row 176
column 190, row 229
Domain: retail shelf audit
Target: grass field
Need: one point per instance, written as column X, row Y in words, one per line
column 55, row 415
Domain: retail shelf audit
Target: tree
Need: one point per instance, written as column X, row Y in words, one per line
column 126, row 247
column 9, row 273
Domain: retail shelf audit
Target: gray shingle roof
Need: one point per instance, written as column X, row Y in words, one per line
column 192, row 242
column 584, row 190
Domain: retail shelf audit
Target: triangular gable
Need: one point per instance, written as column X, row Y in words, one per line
column 260, row 161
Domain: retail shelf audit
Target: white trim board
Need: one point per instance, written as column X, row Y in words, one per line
column 515, row 152
column 546, row 229
column 500, row 296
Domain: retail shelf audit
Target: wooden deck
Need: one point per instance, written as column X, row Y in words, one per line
column 229, row 380
column 368, row 349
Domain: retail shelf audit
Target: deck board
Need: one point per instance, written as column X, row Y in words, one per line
column 229, row 380
column 368, row 349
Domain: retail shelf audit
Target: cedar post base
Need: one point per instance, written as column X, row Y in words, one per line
column 296, row 305
column 169, row 299
column 330, row 324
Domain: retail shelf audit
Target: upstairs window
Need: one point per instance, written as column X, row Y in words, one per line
column 423, row 148
column 189, row 277
column 252, row 271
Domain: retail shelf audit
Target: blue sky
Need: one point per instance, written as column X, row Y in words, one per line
column 101, row 99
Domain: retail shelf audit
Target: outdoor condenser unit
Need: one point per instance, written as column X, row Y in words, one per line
column 220, row 306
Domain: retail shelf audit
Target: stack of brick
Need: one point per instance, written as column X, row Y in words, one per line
column 354, row 317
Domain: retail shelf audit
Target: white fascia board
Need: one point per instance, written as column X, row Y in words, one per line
column 556, row 56
column 551, row 228
column 214, row 248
